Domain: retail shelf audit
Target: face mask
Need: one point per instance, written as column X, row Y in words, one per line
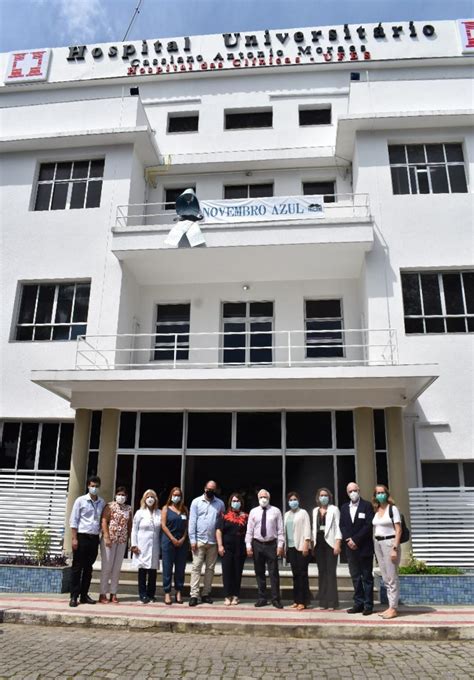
column 381, row 497
column 120, row 499
column 235, row 505
column 324, row 500
column 150, row 501
column 354, row 496
column 209, row 493
column 264, row 502
column 94, row 490
column 293, row 504
column 176, row 499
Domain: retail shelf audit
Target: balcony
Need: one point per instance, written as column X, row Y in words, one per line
column 261, row 370
column 332, row 241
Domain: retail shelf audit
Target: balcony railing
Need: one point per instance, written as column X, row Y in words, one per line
column 346, row 206
column 238, row 349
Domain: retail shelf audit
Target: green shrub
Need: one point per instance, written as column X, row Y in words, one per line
column 415, row 566
column 38, row 543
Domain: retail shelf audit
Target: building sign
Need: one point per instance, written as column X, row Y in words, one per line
column 466, row 31
column 263, row 209
column 26, row 67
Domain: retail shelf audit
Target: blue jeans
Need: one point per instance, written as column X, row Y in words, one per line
column 173, row 557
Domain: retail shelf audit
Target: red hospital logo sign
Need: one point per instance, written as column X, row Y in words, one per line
column 466, row 29
column 28, row 66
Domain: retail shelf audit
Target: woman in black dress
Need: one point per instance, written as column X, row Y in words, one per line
column 230, row 536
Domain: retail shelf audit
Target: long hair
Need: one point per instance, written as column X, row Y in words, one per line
column 375, row 503
column 238, row 495
column 149, row 492
column 181, row 508
column 329, row 493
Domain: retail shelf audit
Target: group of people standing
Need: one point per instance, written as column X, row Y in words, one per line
column 211, row 529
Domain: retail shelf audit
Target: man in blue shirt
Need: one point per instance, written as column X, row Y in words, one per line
column 85, row 528
column 204, row 515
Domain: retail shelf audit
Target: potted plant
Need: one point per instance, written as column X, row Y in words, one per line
column 38, row 572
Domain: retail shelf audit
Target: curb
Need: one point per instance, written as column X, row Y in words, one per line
column 310, row 631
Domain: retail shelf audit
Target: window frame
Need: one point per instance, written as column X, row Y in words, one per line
column 444, row 316
column 17, row 325
column 35, row 469
column 337, row 343
column 173, row 203
column 174, row 115
column 244, row 111
column 332, row 197
column 70, row 183
column 180, row 347
column 415, row 169
column 315, row 107
column 255, row 184
column 247, row 321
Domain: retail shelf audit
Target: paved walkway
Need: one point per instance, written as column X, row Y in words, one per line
column 414, row 623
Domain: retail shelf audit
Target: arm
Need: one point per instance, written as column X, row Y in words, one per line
column 338, row 535
column 306, row 534
column 365, row 530
column 135, row 526
column 249, row 533
column 281, row 535
column 164, row 528
column 193, row 527
column 104, row 522
column 74, row 523
column 397, row 525
column 315, row 525
column 129, row 525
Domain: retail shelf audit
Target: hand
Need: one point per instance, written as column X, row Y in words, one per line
column 249, row 552
column 221, row 550
column 337, row 550
column 179, row 542
column 108, row 543
column 194, row 547
column 135, row 550
column 350, row 543
column 394, row 555
column 305, row 552
column 280, row 552
column 74, row 543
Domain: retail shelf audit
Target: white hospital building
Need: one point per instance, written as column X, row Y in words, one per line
column 316, row 327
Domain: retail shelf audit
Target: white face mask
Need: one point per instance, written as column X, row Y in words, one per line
column 150, row 501
column 264, row 502
column 120, row 499
column 93, row 490
column 354, row 496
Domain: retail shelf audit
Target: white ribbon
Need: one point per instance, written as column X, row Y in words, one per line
column 191, row 229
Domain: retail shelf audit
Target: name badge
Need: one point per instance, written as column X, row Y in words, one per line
column 184, row 517
column 361, row 515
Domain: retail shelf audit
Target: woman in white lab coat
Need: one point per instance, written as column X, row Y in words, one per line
column 145, row 545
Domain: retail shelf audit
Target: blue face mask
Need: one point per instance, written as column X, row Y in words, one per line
column 294, row 504
column 324, row 500
column 381, row 497
column 235, row 505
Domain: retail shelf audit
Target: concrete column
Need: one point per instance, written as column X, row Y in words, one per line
column 78, row 470
column 108, row 452
column 397, row 467
column 365, row 445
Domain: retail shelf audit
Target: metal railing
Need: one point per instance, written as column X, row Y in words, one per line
column 160, row 214
column 288, row 348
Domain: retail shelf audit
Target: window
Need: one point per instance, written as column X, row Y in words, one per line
column 380, row 442
column 447, row 473
column 323, row 327
column 438, row 302
column 69, row 185
column 172, row 332
column 248, row 191
column 248, row 119
column 316, row 116
column 248, row 333
column 161, row 431
column 209, row 430
column 36, row 445
column 183, row 122
column 326, row 189
column 94, row 441
column 53, row 311
column 172, row 194
column 427, row 169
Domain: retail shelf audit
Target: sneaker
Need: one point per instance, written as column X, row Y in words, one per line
column 193, row 601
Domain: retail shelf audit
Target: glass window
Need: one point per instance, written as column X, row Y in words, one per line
column 323, row 328
column 183, row 122
column 172, row 332
column 468, row 469
column 344, row 430
column 325, row 189
column 161, row 431
column 50, row 311
column 64, row 186
column 235, row 191
column 172, row 194
column 438, row 302
column 248, row 332
column 209, row 430
column 36, row 446
column 427, row 168
column 128, row 423
column 248, row 119
column 309, row 430
column 259, row 430
column 9, row 447
column 317, row 116
column 440, row 474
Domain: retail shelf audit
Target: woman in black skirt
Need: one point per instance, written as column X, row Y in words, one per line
column 230, row 536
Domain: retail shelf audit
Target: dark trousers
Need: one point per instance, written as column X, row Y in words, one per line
column 173, row 557
column 83, row 559
column 361, row 571
column 327, row 563
column 299, row 568
column 146, row 589
column 265, row 555
column 232, row 567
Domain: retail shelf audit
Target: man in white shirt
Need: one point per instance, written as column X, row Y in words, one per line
column 85, row 528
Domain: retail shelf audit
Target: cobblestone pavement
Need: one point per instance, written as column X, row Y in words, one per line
column 35, row 652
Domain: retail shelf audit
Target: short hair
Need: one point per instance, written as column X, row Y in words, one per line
column 264, row 491
column 94, row 479
column 329, row 493
column 238, row 495
column 122, row 489
column 291, row 494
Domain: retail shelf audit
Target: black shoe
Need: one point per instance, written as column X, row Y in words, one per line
column 152, row 599
column 193, row 601
column 180, row 600
column 367, row 611
column 73, row 602
column 206, row 599
column 86, row 600
column 355, row 610
column 277, row 604
column 261, row 603
column 145, row 600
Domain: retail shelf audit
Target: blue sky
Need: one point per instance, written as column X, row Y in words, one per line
column 51, row 23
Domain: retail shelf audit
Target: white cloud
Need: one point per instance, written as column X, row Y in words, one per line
column 83, row 21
